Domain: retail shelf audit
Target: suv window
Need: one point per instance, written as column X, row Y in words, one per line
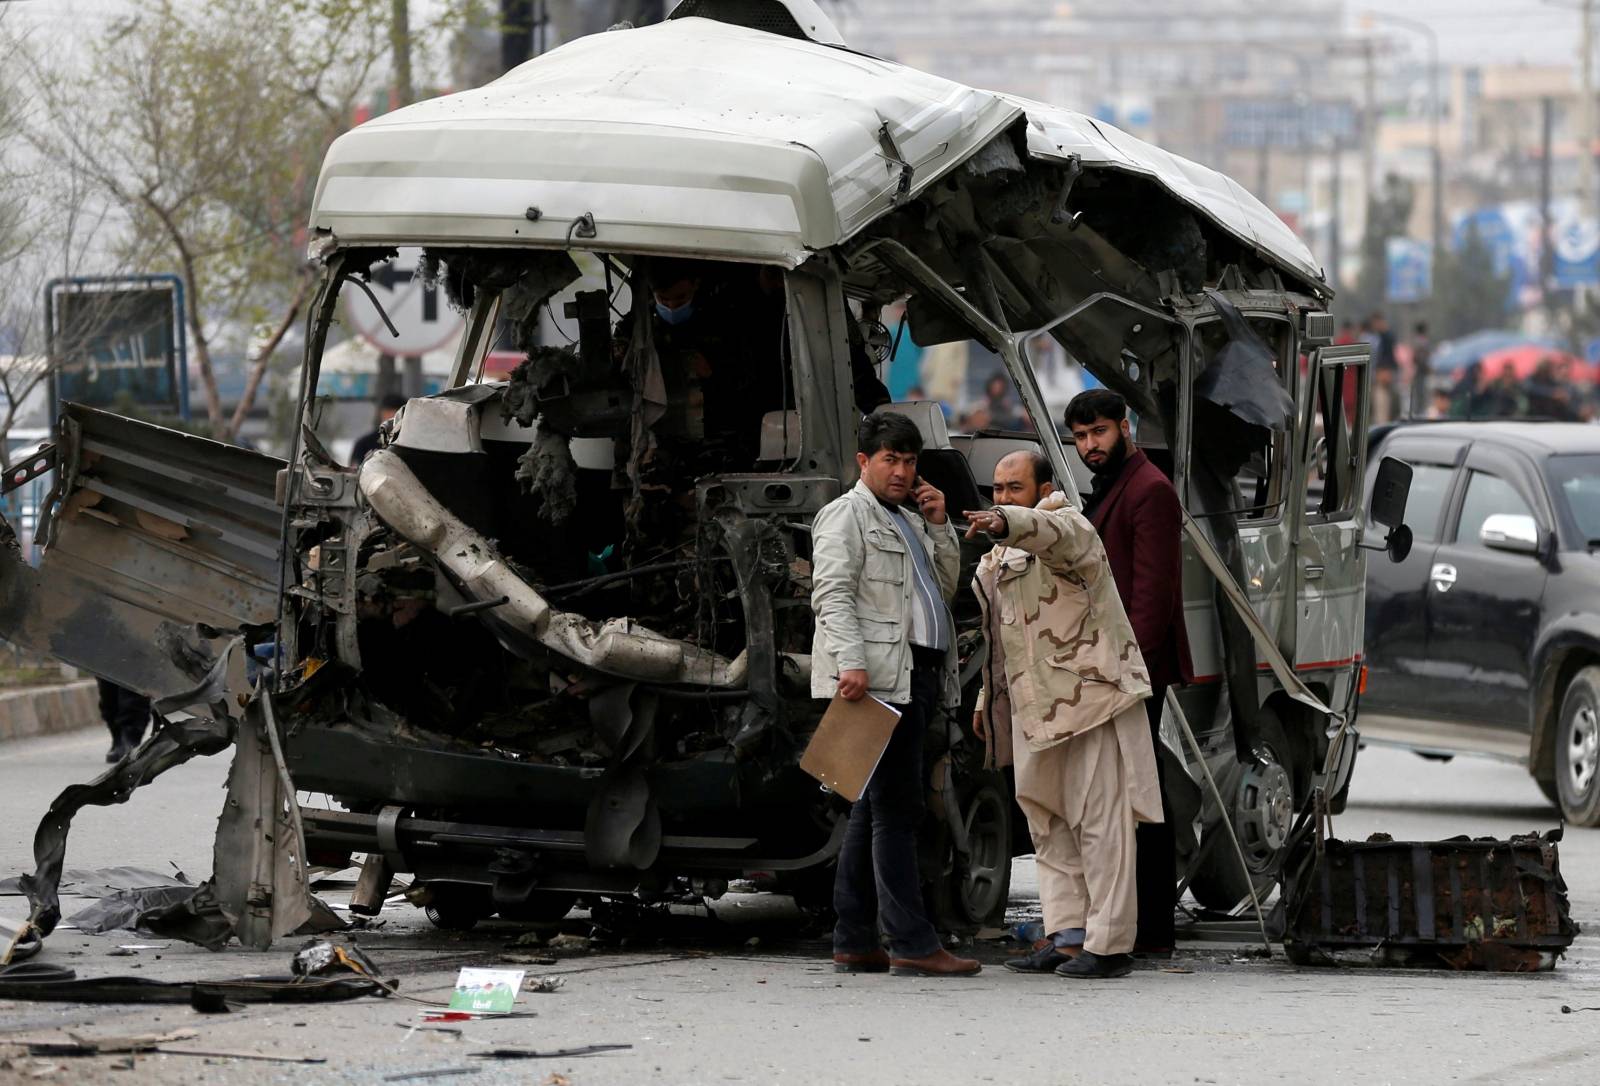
column 1577, row 482
column 1486, row 495
column 1430, row 485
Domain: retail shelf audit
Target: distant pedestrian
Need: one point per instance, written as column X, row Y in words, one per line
column 1385, row 396
column 126, row 714
column 388, row 408
column 884, row 565
column 1003, row 413
column 1376, row 331
column 1421, row 368
column 1136, row 510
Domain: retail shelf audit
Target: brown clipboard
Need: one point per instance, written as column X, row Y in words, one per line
column 848, row 744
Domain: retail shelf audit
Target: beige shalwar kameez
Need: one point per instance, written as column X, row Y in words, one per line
column 1081, row 791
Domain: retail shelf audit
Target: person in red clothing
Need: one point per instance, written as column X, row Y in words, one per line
column 1135, row 509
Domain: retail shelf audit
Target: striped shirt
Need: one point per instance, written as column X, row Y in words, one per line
column 930, row 618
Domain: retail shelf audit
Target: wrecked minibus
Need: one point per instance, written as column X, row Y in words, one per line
column 550, row 642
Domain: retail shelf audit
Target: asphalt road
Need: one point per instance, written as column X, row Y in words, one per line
column 709, row 1006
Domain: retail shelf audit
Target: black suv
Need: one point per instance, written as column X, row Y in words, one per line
column 1486, row 638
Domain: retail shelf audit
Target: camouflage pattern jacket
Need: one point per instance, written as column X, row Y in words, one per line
column 1071, row 660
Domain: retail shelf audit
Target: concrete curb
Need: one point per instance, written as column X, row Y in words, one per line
column 48, row 710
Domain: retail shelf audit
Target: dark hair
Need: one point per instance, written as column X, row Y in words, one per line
column 888, row 430
column 1043, row 471
column 391, row 402
column 665, row 271
column 1095, row 403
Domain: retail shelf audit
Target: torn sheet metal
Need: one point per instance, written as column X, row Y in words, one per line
column 764, row 148
column 258, row 891
column 1496, row 905
column 1242, row 377
column 157, row 541
column 1062, row 134
column 617, row 646
column 176, row 743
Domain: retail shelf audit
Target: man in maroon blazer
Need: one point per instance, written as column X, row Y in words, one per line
column 1136, row 511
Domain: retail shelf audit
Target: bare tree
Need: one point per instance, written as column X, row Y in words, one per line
column 221, row 117
column 50, row 227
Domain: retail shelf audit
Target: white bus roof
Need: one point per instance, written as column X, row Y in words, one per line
column 697, row 136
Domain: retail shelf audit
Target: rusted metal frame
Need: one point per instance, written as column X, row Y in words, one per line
column 319, row 316
column 42, row 461
column 742, row 539
column 1477, row 885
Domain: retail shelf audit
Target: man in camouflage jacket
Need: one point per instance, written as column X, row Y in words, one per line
column 1063, row 700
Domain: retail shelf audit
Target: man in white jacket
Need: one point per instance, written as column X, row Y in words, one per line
column 884, row 566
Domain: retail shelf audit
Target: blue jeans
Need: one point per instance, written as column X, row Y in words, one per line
column 877, row 881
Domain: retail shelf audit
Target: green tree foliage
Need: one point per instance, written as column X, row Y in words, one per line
column 1468, row 295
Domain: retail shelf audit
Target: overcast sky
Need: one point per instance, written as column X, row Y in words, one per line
column 1470, row 31
column 1490, row 31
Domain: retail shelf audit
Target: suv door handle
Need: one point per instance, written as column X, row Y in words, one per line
column 1443, row 576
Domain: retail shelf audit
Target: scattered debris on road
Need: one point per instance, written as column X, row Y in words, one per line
column 37, row 982
column 435, row 1072
column 552, row 1054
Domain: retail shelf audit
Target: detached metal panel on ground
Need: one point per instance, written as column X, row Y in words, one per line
column 1499, row 905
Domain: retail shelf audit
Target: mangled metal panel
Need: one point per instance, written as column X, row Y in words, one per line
column 1061, row 134
column 157, row 543
column 1467, row 904
column 691, row 135
column 695, row 135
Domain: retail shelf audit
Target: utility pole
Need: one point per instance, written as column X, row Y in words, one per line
column 1586, row 114
column 1367, row 49
column 516, row 33
column 1369, row 116
column 1547, row 263
column 400, row 48
column 1335, row 197
column 1435, row 112
column 400, row 95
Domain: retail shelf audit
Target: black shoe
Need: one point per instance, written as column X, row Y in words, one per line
column 1096, row 966
column 1144, row 953
column 1044, row 960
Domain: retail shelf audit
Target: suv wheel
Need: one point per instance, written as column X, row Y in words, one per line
column 1578, row 750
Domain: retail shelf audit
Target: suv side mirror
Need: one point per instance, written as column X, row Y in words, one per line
column 1398, row 543
column 1390, row 491
column 1515, row 532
